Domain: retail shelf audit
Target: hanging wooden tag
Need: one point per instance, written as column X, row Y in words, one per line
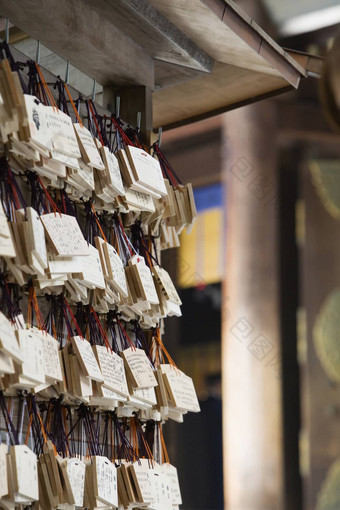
column 139, row 201
column 99, row 242
column 66, row 484
column 125, row 166
column 112, row 369
column 6, row 364
column 113, row 176
column 59, row 265
column 166, row 285
column 86, row 358
column 11, row 104
column 74, row 384
column 161, row 487
column 33, row 367
column 45, row 485
column 146, row 395
column 4, row 225
column 102, row 191
column 76, row 474
column 162, row 399
column 84, row 176
column 128, row 483
column 8, row 342
column 139, row 369
column 50, row 347
column 10, row 477
column 104, row 397
column 144, row 278
column 105, row 481
column 67, row 161
column 79, row 288
column 88, row 148
column 3, row 471
column 27, row 244
column 181, row 389
column 65, row 235
column 40, row 135
column 51, row 168
column 53, row 470
column 26, row 474
column 115, row 268
column 91, row 271
column 82, row 385
column 171, row 472
column 122, row 491
column 7, row 246
column 141, row 476
column 135, row 294
column 22, row 150
column 63, row 136
column 146, row 169
column 37, row 236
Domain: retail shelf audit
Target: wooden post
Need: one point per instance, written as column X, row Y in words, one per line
column 133, row 99
column 253, row 478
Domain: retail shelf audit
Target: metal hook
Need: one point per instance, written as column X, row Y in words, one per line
column 67, row 74
column 37, row 57
column 117, row 106
column 94, row 90
column 139, row 120
column 160, row 131
column 7, row 30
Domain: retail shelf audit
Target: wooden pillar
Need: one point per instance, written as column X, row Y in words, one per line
column 250, row 333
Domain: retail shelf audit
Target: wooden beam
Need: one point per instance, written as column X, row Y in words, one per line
column 80, row 32
column 52, row 78
column 248, row 30
column 169, row 75
column 313, row 64
column 221, row 29
column 156, row 34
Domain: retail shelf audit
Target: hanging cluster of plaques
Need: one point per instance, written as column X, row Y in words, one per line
column 95, row 460
column 85, row 379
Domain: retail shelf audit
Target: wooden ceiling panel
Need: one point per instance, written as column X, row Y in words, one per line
column 226, row 88
column 230, row 39
column 199, row 57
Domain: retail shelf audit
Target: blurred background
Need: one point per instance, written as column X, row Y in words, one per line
column 259, row 278
column 263, row 260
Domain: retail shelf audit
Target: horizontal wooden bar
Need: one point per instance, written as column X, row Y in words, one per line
column 79, row 31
